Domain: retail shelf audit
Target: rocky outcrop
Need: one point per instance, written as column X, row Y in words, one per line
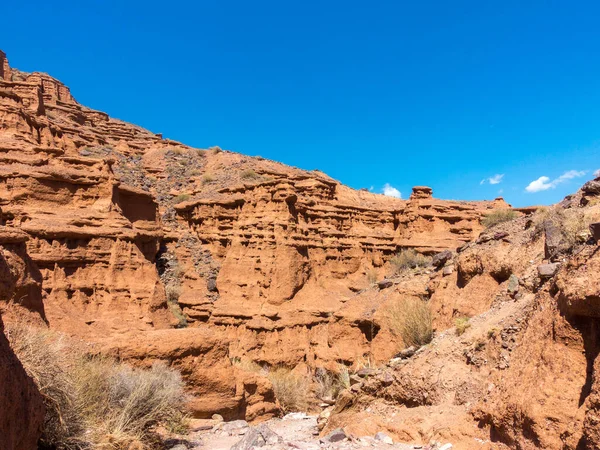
column 522, row 372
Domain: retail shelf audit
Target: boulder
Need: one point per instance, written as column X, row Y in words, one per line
column 258, row 437
column 382, row 437
column 513, row 284
column 548, row 270
column 448, row 270
column 235, row 427
column 336, row 435
column 595, row 230
column 439, row 259
column 592, row 187
column 384, row 284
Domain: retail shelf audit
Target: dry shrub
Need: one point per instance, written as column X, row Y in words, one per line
column 498, row 216
column 249, row 174
column 291, row 389
column 95, row 402
column 372, row 276
column 173, row 291
column 573, row 224
column 248, row 365
column 409, row 259
column 215, row 149
column 330, row 384
column 46, row 359
column 410, row 319
column 181, row 198
column 207, row 178
column 462, row 324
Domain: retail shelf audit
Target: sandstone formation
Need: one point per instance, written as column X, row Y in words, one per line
column 267, row 256
column 206, row 259
column 523, row 374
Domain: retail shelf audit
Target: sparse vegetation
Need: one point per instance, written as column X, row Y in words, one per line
column 249, row 174
column 248, row 365
column 291, row 389
column 410, row 319
column 461, row 324
column 409, row 259
column 215, row 149
column 492, row 333
column 372, row 276
column 498, row 216
column 207, row 178
column 330, row 384
column 173, row 291
column 95, row 402
column 572, row 224
column 181, row 198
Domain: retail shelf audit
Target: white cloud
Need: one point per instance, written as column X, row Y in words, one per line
column 496, row 179
column 391, row 191
column 543, row 183
column 597, row 173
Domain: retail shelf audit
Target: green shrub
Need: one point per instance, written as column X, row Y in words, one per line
column 410, row 319
column 498, row 216
column 409, row 259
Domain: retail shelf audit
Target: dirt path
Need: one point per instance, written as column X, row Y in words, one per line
column 294, row 431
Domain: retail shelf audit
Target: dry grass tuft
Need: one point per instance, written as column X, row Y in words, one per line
column 410, row 319
column 181, row 198
column 291, row 389
column 498, row 216
column 248, row 365
column 573, row 224
column 249, row 174
column 462, row 324
column 96, row 403
column 372, row 276
column 207, row 178
column 330, row 384
column 409, row 259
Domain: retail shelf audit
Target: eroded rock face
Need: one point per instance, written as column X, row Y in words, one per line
column 266, row 257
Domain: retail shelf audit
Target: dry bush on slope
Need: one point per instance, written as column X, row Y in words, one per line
column 330, row 384
column 95, row 402
column 249, row 174
column 410, row 319
column 409, row 259
column 498, row 216
column 573, row 224
column 291, row 389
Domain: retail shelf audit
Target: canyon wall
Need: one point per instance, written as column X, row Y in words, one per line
column 222, row 257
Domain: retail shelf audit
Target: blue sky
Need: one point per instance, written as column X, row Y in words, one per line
column 475, row 99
